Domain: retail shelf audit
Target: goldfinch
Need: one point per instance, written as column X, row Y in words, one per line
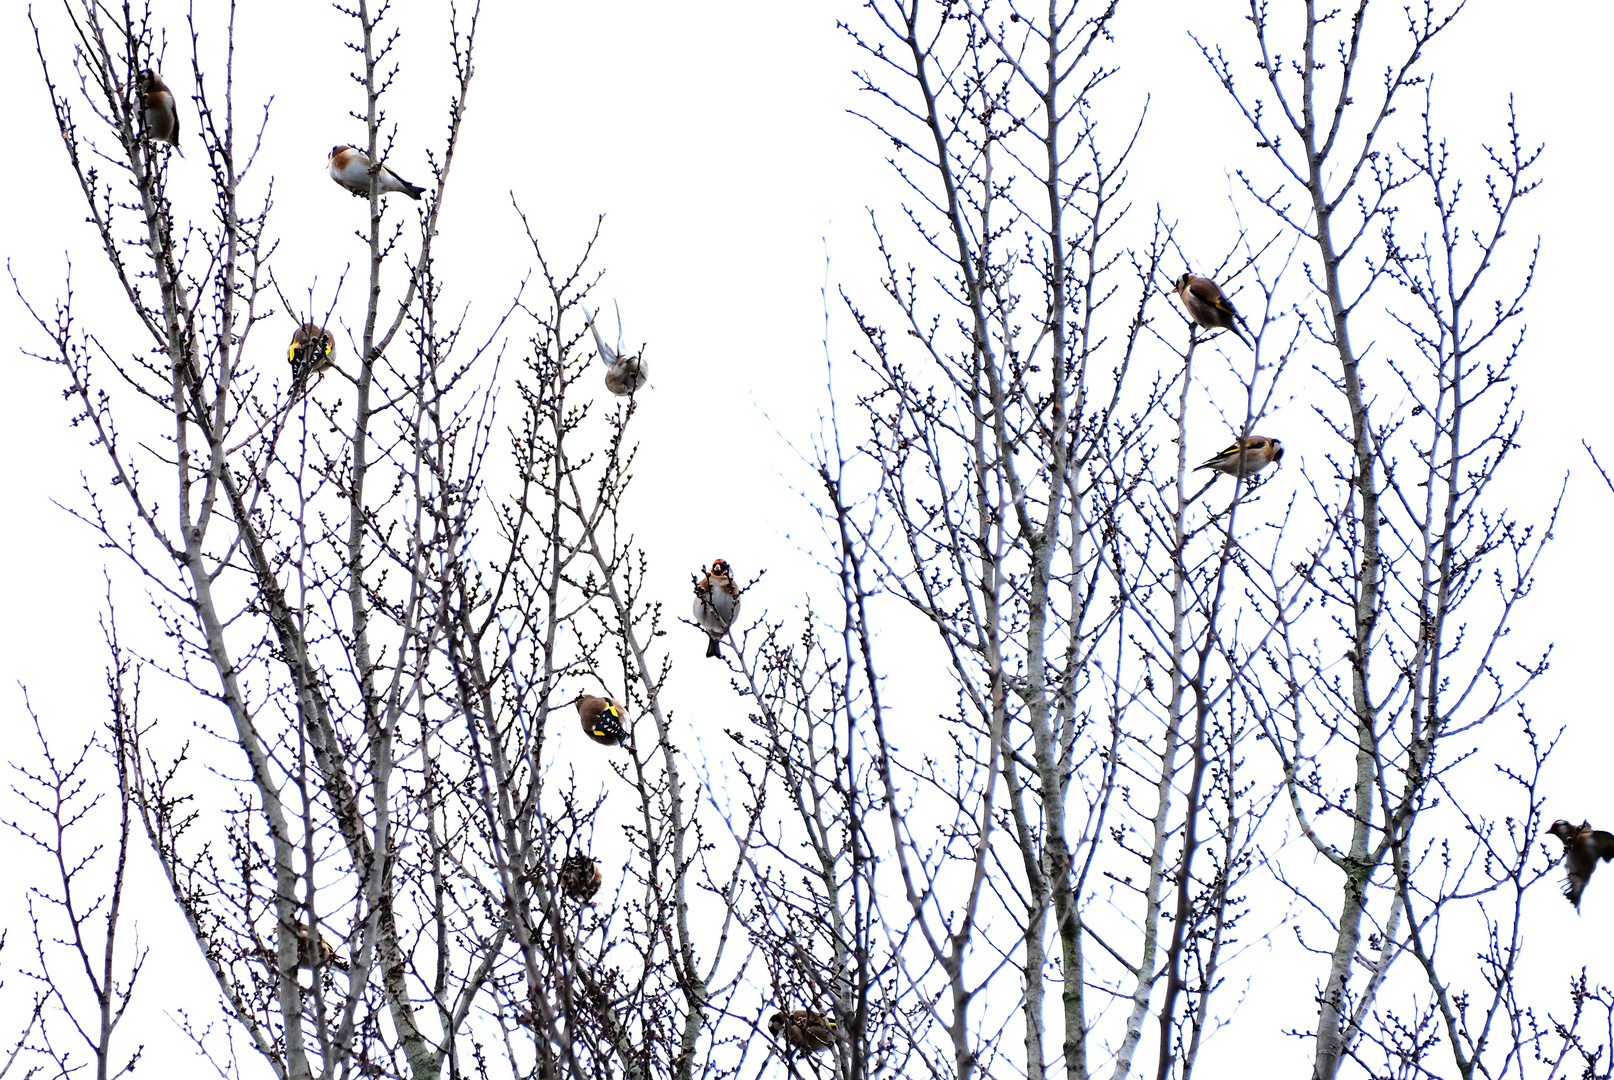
column 327, row 952
column 804, row 1030
column 602, row 719
column 1247, row 456
column 350, row 167
column 623, row 374
column 310, row 351
column 1583, row 846
column 1207, row 306
column 158, row 109
column 580, row 877
column 717, row 603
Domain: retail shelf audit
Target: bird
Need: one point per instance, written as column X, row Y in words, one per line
column 1247, row 456
column 623, row 374
column 579, row 877
column 1583, row 846
column 327, row 952
column 805, row 1030
column 717, row 603
column 350, row 167
column 1208, row 307
column 310, row 352
column 602, row 719
column 305, row 954
column 160, row 113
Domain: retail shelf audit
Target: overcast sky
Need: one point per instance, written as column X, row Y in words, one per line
column 716, row 139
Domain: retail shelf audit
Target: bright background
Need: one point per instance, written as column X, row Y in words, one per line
column 716, row 138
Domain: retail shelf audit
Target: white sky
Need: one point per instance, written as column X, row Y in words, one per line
column 716, row 140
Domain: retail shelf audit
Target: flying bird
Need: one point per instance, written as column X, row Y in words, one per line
column 1583, row 846
column 310, row 352
column 580, row 877
column 1208, row 307
column 623, row 374
column 158, row 110
column 805, row 1030
column 602, row 719
column 350, row 167
column 1247, row 456
column 717, row 603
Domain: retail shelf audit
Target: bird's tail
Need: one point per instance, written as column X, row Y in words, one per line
column 711, row 647
column 607, row 357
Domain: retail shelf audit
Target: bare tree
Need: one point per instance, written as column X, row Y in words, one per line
column 388, row 642
column 392, row 591
column 1020, row 505
column 86, row 979
column 1014, row 479
column 1413, row 533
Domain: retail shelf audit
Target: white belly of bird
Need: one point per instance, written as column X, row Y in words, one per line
column 716, row 613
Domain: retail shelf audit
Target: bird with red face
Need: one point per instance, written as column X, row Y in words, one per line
column 1583, row 846
column 717, row 603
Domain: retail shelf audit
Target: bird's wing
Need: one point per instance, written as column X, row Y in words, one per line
column 1601, row 844
column 1212, row 297
column 1578, row 873
column 607, row 357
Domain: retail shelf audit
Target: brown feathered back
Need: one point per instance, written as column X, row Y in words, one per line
column 579, row 877
column 805, row 1030
column 602, row 719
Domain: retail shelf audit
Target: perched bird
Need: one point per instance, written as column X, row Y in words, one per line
column 717, row 603
column 1207, row 306
column 305, row 954
column 158, row 109
column 327, row 952
column 1247, row 456
column 602, row 719
column 804, row 1030
column 1583, row 846
column 580, row 877
column 623, row 374
column 350, row 167
column 310, row 352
